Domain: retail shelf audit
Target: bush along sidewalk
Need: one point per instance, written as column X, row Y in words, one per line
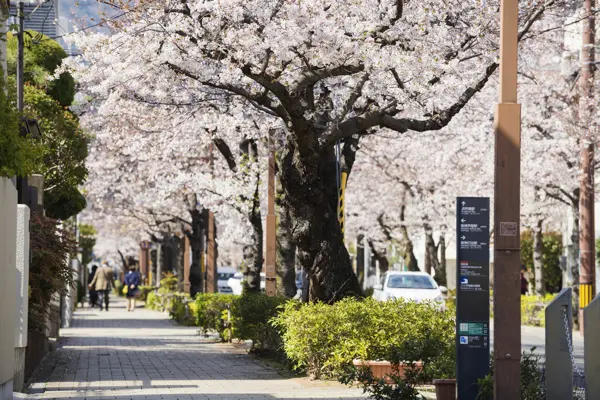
column 532, row 378
column 338, row 341
column 326, row 339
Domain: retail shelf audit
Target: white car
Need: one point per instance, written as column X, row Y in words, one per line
column 412, row 286
column 223, row 276
column 235, row 282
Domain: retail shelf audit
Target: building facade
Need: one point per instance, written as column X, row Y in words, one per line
column 58, row 18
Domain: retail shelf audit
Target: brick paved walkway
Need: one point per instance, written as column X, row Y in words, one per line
column 143, row 355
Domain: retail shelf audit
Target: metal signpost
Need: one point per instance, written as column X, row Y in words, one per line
column 473, row 294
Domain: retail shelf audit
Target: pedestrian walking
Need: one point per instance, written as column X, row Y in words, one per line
column 131, row 287
column 93, row 293
column 103, row 283
column 524, row 281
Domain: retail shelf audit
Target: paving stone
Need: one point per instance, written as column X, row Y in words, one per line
column 143, row 355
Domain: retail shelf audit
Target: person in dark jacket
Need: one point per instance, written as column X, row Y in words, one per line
column 132, row 283
column 93, row 293
column 524, row 282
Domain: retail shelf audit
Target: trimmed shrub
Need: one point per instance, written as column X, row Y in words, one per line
column 145, row 291
column 532, row 378
column 180, row 311
column 533, row 309
column 251, row 314
column 153, row 301
column 211, row 313
column 324, row 339
column 118, row 290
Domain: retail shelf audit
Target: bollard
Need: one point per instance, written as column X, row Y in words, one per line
column 591, row 347
column 559, row 368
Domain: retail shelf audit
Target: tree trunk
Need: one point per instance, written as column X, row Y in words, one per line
column 360, row 260
column 408, row 250
column 179, row 248
column 380, row 257
column 308, row 178
column 253, row 252
column 154, row 262
column 538, row 253
column 406, row 245
column 196, row 247
column 286, row 253
column 440, row 273
column 431, row 253
column 428, row 256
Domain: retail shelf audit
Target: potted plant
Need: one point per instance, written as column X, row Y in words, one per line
column 445, row 389
column 386, row 369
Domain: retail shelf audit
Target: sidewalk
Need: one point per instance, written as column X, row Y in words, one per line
column 144, row 355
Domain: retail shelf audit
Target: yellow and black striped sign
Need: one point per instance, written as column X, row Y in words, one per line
column 586, row 294
column 341, row 203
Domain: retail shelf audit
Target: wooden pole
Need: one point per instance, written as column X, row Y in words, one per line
column 271, row 245
column 507, row 305
column 587, row 248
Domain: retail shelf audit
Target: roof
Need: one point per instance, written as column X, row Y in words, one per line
column 408, row 273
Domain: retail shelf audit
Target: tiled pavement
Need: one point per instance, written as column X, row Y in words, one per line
column 143, row 355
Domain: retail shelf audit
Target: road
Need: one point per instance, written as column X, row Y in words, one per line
column 532, row 336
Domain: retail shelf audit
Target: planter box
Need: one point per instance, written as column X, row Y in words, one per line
column 383, row 369
column 445, row 389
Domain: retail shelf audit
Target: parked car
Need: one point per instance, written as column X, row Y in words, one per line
column 235, row 282
column 223, row 276
column 413, row 286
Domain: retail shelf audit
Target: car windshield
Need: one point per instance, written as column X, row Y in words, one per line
column 410, row 282
column 223, row 276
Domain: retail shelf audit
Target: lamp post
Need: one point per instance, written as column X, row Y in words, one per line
column 507, row 311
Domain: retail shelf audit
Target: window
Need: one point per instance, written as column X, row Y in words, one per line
column 223, row 276
column 410, row 282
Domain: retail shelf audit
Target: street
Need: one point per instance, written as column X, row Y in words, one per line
column 532, row 336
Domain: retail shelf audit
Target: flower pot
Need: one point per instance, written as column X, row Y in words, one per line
column 445, row 389
column 383, row 369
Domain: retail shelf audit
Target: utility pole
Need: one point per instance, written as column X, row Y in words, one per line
column 270, row 259
column 507, row 203
column 22, row 185
column 586, row 200
column 4, row 11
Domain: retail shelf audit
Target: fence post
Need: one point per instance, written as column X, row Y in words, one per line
column 591, row 347
column 559, row 368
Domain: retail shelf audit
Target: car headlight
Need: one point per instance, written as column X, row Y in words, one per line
column 439, row 299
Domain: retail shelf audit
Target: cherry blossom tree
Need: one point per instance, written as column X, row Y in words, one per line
column 328, row 73
column 165, row 177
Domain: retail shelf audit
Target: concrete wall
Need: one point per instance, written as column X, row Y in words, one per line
column 69, row 301
column 22, row 311
column 8, row 285
column 22, row 275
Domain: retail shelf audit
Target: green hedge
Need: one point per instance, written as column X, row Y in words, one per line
column 533, row 309
column 145, row 291
column 211, row 313
column 250, row 314
column 324, row 339
column 182, row 308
